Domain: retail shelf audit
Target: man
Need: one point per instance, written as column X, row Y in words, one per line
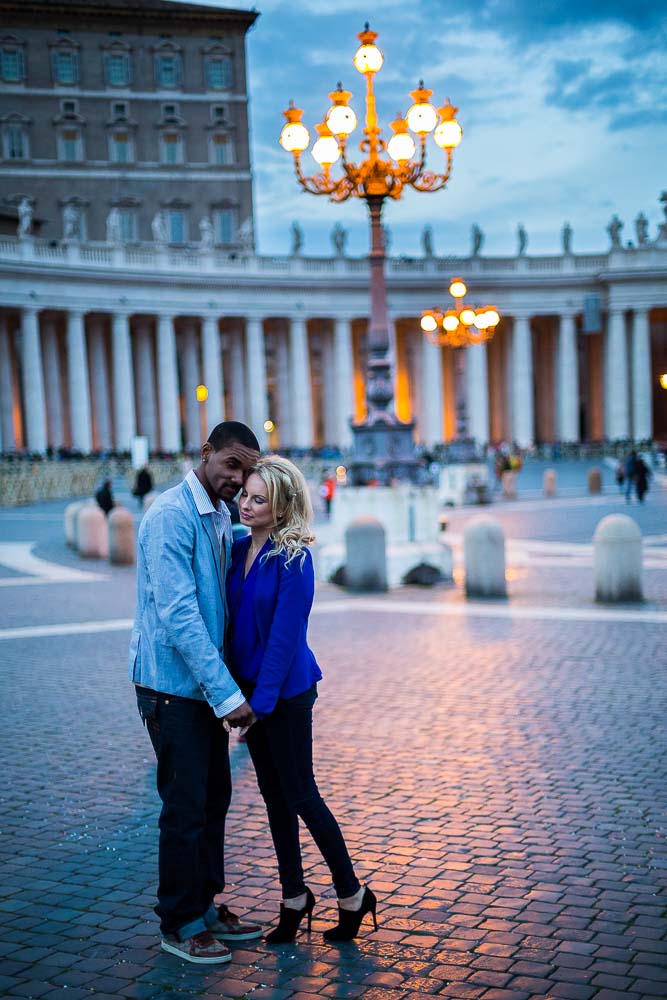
column 104, row 497
column 186, row 696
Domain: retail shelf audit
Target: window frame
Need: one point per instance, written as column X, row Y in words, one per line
column 224, row 60
column 17, row 48
column 232, row 213
column 215, row 144
column 70, row 51
column 170, row 214
column 80, row 147
column 114, row 145
column 109, row 56
column 166, row 137
column 177, row 57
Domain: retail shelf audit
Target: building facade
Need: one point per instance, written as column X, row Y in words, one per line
column 101, row 341
column 128, row 275
column 126, row 118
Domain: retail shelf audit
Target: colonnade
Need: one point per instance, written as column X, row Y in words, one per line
column 91, row 381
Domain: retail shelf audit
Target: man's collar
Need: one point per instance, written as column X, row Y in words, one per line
column 202, row 499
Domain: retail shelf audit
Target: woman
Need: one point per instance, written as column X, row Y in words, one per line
column 270, row 588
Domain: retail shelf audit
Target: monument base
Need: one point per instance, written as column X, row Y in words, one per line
column 409, row 515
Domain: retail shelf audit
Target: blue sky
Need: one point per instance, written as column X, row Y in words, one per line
column 563, row 107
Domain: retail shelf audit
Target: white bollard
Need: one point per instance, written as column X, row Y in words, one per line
column 617, row 557
column 508, row 480
column 121, row 537
column 366, row 555
column 71, row 514
column 594, row 480
column 92, row 533
column 484, row 557
column 549, row 480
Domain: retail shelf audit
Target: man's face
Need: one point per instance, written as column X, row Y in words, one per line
column 224, row 469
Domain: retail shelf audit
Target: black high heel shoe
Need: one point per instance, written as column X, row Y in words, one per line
column 289, row 921
column 349, row 921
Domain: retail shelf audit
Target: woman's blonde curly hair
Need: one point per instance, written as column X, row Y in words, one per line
column 290, row 506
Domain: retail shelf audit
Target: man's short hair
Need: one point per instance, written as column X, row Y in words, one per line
column 232, row 432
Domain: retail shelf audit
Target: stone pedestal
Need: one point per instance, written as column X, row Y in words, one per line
column 484, row 554
column 549, row 482
column 594, row 481
column 365, row 556
column 410, row 518
column 121, row 537
column 617, row 555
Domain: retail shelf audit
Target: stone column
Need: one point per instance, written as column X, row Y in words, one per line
column 616, row 370
column 300, row 394
column 34, row 415
column 6, row 389
column 344, row 380
column 238, row 379
column 568, row 379
column 642, row 401
column 52, row 384
column 77, row 379
column 282, row 402
column 215, row 404
column 191, row 379
column 125, row 423
column 256, row 373
column 523, row 410
column 329, row 412
column 431, row 430
column 477, row 393
column 167, row 385
column 145, row 382
column 99, row 379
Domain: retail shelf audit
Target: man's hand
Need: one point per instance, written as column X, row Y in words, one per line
column 242, row 717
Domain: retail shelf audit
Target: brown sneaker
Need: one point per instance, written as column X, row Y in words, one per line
column 228, row 927
column 202, row 948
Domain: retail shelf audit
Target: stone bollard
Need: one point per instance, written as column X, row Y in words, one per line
column 121, row 537
column 509, row 485
column 594, row 480
column 484, row 557
column 549, row 480
column 366, row 555
column 92, row 533
column 617, row 557
column 71, row 515
column 150, row 499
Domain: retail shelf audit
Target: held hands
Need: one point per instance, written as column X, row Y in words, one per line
column 241, row 718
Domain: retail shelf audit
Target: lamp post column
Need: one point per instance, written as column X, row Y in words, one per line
column 301, row 398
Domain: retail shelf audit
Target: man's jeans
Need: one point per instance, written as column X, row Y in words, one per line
column 194, row 783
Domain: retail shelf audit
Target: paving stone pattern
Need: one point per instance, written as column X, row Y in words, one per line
column 501, row 785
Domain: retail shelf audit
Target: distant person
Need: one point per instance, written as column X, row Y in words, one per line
column 104, row 497
column 630, row 470
column 327, row 490
column 270, row 589
column 620, row 475
column 642, row 476
column 143, row 484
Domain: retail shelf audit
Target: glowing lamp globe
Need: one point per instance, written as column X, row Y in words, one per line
column 481, row 322
column 401, row 147
column 294, row 137
column 325, row 151
column 663, row 381
column 341, row 119
column 467, row 317
column 202, row 393
column 492, row 317
column 428, row 323
column 368, row 59
column 269, row 426
column 448, row 134
column 451, row 321
column 457, row 289
column 422, row 118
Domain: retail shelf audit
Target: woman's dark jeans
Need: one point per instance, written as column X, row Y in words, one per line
column 281, row 747
column 194, row 783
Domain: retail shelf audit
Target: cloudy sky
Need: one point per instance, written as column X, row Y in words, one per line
column 563, row 105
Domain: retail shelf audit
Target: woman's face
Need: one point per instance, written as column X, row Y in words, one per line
column 254, row 506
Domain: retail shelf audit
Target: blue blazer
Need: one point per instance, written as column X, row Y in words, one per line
column 179, row 634
column 283, row 599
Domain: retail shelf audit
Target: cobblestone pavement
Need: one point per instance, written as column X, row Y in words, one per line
column 500, row 780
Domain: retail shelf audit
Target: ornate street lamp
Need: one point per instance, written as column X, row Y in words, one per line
column 461, row 325
column 383, row 445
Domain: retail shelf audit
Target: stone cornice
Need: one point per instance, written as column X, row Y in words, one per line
column 30, row 12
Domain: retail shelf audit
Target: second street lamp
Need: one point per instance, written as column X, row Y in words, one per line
column 461, row 325
column 383, row 445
